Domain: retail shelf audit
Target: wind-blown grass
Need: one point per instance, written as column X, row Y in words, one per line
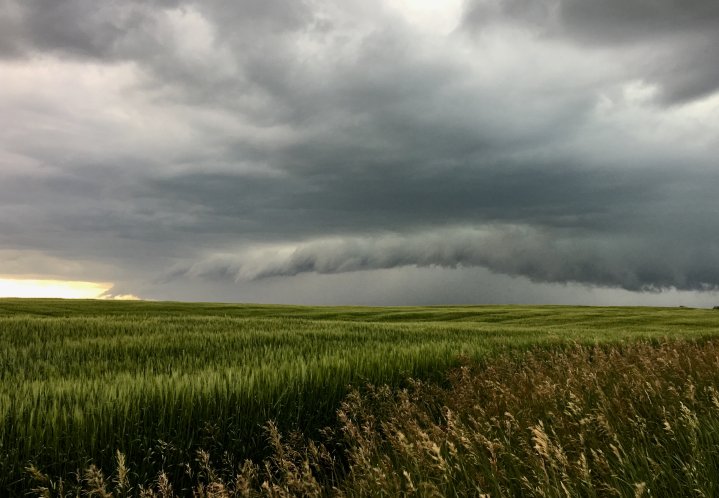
column 157, row 381
column 632, row 420
column 638, row 419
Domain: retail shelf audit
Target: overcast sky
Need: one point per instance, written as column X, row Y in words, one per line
column 366, row 152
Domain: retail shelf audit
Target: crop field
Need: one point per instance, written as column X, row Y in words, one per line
column 160, row 382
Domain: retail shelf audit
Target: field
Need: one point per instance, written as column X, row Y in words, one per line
column 82, row 380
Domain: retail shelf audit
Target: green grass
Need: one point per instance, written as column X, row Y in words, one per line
column 82, row 379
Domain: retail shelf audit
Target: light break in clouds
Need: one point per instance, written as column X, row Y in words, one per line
column 368, row 152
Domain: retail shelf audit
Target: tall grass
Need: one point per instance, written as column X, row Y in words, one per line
column 635, row 420
column 158, row 381
column 584, row 421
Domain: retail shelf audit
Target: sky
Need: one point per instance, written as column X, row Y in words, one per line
column 362, row 151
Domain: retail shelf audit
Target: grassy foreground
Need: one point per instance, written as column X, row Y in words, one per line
column 632, row 420
column 82, row 380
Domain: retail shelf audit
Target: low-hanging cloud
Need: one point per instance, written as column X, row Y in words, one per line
column 540, row 255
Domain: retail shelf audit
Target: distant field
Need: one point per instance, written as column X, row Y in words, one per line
column 83, row 379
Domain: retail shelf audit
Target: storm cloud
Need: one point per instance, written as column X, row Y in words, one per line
column 671, row 42
column 541, row 256
column 234, row 150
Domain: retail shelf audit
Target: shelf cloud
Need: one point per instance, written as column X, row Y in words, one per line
column 540, row 255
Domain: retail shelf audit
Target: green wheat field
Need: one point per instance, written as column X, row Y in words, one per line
column 120, row 399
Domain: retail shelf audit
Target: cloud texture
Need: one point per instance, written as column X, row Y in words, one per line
column 229, row 148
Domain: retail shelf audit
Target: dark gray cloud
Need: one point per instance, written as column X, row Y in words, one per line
column 673, row 41
column 604, row 21
column 241, row 149
column 540, row 255
column 78, row 28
